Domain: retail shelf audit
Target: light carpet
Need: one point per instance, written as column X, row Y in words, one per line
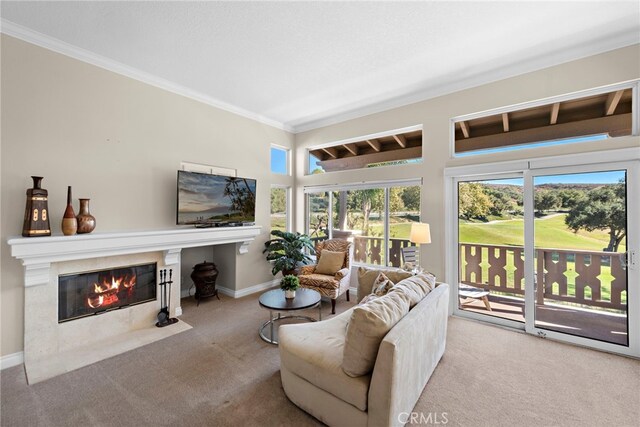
column 220, row 373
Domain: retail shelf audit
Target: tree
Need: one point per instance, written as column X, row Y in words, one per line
column 569, row 198
column 473, row 202
column 365, row 201
column 411, row 198
column 396, row 204
column 546, row 200
column 243, row 198
column 603, row 208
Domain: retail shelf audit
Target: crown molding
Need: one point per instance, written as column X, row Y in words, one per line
column 30, row 36
column 417, row 94
column 411, row 95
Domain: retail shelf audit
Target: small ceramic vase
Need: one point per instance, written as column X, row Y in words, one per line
column 86, row 221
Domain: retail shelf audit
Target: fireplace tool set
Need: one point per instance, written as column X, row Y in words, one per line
column 165, row 295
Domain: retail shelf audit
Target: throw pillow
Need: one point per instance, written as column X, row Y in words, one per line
column 366, row 277
column 382, row 285
column 330, row 262
column 368, row 325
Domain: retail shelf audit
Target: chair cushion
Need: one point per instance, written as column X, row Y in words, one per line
column 313, row 351
column 330, row 262
column 368, row 325
column 319, row 281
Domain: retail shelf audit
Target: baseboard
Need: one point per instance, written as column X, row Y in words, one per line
column 248, row 291
column 11, row 360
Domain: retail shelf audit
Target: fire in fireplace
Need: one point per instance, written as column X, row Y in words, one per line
column 95, row 292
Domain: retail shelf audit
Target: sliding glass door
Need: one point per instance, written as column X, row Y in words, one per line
column 570, row 232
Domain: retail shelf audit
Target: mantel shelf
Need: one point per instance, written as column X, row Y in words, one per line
column 37, row 253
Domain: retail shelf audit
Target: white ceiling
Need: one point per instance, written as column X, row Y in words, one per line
column 301, row 65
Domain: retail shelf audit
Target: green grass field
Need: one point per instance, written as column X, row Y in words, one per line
column 551, row 232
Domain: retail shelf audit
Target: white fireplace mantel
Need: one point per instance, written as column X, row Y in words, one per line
column 38, row 253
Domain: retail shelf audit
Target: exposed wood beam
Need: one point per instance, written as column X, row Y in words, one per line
column 612, row 102
column 505, row 121
column 363, row 160
column 400, row 139
column 614, row 125
column 374, row 144
column 331, row 151
column 555, row 109
column 352, row 148
column 465, row 129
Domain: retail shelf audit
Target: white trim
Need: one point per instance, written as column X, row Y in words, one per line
column 362, row 185
column 589, row 158
column 248, row 291
column 11, row 360
column 59, row 46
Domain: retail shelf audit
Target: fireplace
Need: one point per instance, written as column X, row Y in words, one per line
column 96, row 292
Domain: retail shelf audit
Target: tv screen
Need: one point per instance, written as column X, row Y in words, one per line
column 211, row 200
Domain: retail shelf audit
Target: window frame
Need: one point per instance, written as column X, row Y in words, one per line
column 288, row 204
column 386, row 185
column 287, row 152
column 634, row 85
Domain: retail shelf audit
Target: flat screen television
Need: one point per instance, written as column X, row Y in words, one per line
column 215, row 200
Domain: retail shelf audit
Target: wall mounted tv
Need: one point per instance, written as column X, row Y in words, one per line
column 206, row 200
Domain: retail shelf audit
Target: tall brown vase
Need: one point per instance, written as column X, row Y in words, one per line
column 36, row 213
column 69, row 221
column 86, row 221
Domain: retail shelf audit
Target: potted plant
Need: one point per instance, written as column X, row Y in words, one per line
column 289, row 284
column 288, row 251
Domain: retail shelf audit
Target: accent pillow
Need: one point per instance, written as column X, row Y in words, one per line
column 368, row 325
column 382, row 285
column 330, row 262
column 366, row 277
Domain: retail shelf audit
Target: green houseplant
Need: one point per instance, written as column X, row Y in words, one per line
column 289, row 284
column 287, row 251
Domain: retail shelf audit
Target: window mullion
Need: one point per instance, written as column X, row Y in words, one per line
column 386, row 226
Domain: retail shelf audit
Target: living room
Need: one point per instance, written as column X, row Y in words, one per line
column 110, row 114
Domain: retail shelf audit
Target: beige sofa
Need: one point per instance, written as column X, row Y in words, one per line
column 313, row 379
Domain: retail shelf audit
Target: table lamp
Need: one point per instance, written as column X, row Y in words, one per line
column 420, row 235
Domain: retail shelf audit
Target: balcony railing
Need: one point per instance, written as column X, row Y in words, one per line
column 589, row 278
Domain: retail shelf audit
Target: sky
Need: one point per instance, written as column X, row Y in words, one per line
column 610, row 177
column 279, row 161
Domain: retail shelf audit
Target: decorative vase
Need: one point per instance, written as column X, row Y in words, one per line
column 86, row 221
column 69, row 221
column 36, row 213
column 204, row 277
column 289, row 294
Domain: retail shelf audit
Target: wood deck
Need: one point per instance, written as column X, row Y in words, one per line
column 592, row 324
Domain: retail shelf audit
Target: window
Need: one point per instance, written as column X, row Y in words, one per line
column 588, row 116
column 279, row 160
column 376, row 218
column 398, row 147
column 280, row 208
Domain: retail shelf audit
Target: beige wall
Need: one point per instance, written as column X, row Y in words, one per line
column 119, row 142
column 434, row 115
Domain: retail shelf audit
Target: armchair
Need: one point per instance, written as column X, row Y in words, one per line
column 333, row 285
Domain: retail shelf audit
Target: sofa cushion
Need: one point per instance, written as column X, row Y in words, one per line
column 368, row 325
column 330, row 262
column 313, row 351
column 415, row 288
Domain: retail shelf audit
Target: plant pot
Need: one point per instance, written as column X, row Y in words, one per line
column 289, row 294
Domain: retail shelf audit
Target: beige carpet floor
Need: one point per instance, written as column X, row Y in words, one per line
column 220, row 373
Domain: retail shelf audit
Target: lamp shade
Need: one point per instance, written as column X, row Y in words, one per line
column 420, row 233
